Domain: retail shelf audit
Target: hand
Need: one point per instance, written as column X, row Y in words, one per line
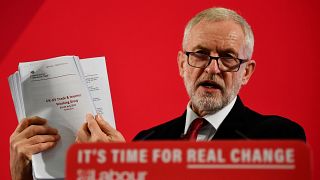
column 31, row 136
column 96, row 129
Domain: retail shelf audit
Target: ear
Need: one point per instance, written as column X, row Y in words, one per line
column 248, row 71
column 181, row 58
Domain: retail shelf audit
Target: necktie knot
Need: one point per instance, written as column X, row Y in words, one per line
column 194, row 128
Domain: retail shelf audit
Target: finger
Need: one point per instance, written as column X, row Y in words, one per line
column 83, row 134
column 85, row 128
column 26, row 148
column 35, row 120
column 105, row 126
column 42, row 139
column 40, row 147
column 93, row 125
column 37, row 130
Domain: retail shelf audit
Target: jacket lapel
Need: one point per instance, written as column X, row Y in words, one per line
column 176, row 130
column 232, row 126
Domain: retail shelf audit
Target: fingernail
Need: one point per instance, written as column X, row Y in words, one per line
column 58, row 137
column 100, row 117
column 56, row 130
column 89, row 115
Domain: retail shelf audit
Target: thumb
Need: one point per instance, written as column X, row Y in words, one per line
column 104, row 125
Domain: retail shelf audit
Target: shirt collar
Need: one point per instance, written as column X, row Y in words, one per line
column 214, row 119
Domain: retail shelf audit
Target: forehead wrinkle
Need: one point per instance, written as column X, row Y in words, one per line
column 218, row 44
column 200, row 41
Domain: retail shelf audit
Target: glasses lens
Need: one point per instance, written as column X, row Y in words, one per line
column 198, row 60
column 229, row 63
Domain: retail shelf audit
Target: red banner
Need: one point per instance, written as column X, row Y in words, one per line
column 263, row 160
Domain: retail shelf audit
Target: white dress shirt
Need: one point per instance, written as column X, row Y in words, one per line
column 207, row 132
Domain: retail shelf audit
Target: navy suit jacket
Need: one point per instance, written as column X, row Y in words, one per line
column 240, row 123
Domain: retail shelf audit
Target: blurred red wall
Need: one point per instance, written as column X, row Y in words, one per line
column 140, row 40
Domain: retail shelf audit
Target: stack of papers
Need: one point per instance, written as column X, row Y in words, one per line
column 62, row 90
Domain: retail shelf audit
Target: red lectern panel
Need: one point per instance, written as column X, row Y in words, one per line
column 241, row 160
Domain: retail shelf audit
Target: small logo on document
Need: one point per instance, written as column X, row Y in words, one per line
column 37, row 76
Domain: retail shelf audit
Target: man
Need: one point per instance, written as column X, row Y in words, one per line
column 215, row 63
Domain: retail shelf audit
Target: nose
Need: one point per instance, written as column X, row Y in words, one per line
column 213, row 67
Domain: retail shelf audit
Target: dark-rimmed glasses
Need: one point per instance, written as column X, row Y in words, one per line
column 225, row 64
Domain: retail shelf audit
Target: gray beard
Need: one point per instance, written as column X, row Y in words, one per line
column 207, row 102
column 211, row 103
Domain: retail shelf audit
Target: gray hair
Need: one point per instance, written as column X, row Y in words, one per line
column 222, row 14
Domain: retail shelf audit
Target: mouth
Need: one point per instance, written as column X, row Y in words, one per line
column 210, row 85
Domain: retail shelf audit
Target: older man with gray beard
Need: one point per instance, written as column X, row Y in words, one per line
column 214, row 64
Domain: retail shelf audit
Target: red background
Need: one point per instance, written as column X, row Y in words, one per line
column 140, row 40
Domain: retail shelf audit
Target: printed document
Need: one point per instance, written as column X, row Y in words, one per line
column 61, row 90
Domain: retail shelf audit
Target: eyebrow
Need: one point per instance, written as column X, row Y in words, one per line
column 219, row 51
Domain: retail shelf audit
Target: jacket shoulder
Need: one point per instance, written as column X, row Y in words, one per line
column 273, row 127
column 244, row 123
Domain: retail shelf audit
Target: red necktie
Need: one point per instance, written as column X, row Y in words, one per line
column 194, row 129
